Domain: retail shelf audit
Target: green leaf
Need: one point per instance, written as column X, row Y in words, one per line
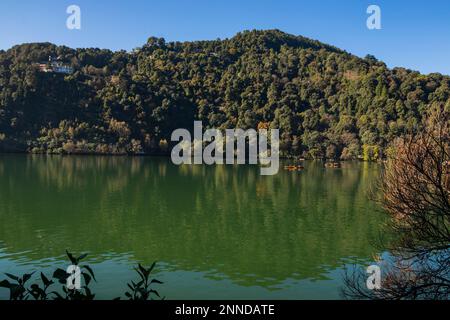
column 144, row 272
column 61, row 275
column 155, row 292
column 34, row 286
column 11, row 276
column 5, row 284
column 36, row 291
column 156, row 281
column 82, row 257
column 87, row 278
column 89, row 294
column 152, row 267
column 71, row 258
column 58, row 296
column 16, row 291
column 141, row 275
column 45, row 280
column 27, row 277
column 91, row 272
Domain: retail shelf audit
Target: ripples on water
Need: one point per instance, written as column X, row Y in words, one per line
column 217, row 232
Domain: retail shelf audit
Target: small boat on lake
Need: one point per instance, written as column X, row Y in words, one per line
column 294, row 168
column 334, row 165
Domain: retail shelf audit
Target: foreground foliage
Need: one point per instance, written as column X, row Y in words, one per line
column 20, row 289
column 416, row 193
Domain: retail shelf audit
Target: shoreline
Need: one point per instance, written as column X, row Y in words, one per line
column 151, row 155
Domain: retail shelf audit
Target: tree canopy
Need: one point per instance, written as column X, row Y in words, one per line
column 325, row 101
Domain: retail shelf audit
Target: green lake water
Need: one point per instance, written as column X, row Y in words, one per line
column 217, row 232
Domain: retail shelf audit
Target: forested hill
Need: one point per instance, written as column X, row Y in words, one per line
column 325, row 101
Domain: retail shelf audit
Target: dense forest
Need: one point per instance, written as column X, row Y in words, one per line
column 325, row 101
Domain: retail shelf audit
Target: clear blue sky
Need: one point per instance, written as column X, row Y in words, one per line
column 415, row 33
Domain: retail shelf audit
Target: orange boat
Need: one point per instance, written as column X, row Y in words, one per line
column 332, row 165
column 294, row 168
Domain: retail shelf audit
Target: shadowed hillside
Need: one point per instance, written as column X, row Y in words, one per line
column 326, row 102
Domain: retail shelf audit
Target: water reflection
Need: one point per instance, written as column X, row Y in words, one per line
column 225, row 223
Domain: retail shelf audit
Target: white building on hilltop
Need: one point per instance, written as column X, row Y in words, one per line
column 55, row 66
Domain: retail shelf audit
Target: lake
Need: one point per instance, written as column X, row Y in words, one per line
column 217, row 232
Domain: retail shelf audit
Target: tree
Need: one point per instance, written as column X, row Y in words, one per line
column 415, row 192
column 316, row 94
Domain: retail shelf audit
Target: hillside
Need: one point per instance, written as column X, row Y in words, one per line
column 325, row 101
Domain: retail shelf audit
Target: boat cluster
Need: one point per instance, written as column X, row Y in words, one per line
column 332, row 165
column 298, row 167
column 294, row 168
